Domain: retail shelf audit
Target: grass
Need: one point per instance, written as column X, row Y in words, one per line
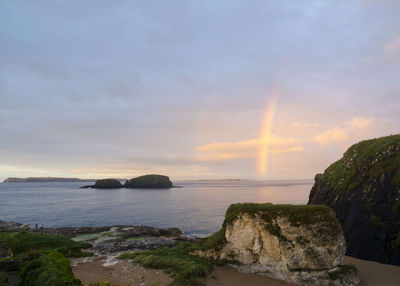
column 48, row 268
column 43, row 257
column 22, row 242
column 186, row 268
column 344, row 175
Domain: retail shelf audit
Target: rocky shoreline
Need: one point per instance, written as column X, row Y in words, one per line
column 111, row 239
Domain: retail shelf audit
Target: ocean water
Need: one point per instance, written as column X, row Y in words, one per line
column 198, row 207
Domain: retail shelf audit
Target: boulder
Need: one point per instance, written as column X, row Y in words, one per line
column 149, row 182
column 296, row 243
column 363, row 188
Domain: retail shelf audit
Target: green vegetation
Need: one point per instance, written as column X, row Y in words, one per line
column 22, row 242
column 345, row 173
column 42, row 257
column 112, row 233
column 342, row 271
column 3, row 278
column 185, row 268
column 48, row 269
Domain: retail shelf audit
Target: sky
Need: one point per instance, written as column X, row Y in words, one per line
column 194, row 89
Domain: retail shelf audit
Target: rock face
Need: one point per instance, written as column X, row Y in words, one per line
column 364, row 190
column 299, row 244
column 149, row 182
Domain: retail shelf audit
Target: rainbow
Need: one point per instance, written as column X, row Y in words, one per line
column 265, row 137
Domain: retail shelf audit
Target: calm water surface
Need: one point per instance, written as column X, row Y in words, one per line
column 198, row 208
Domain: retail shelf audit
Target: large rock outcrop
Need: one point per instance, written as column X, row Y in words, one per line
column 149, row 182
column 299, row 244
column 364, row 190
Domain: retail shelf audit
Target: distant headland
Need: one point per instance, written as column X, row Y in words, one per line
column 44, row 179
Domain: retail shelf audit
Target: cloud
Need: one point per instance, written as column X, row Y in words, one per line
column 360, row 123
column 220, row 151
column 393, row 46
column 343, row 133
column 298, row 124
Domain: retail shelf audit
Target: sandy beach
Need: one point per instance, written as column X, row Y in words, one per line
column 126, row 273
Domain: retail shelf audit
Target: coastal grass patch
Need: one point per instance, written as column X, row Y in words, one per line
column 47, row 268
column 344, row 174
column 104, row 235
column 185, row 268
column 24, row 241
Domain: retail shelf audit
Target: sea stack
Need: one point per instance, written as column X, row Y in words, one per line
column 152, row 181
column 105, row 184
column 297, row 243
column 363, row 188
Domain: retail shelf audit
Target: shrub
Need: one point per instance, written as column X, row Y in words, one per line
column 51, row 268
column 23, row 242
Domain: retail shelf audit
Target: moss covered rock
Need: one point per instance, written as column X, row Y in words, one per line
column 149, row 182
column 363, row 188
column 297, row 243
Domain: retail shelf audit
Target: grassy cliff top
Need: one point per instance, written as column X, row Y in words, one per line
column 296, row 214
column 369, row 159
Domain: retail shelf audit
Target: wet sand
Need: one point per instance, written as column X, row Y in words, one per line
column 375, row 274
column 126, row 273
column 229, row 276
column 123, row 273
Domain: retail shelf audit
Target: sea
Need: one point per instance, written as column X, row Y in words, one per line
column 196, row 207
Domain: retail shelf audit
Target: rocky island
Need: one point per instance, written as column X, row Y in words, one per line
column 151, row 181
column 363, row 188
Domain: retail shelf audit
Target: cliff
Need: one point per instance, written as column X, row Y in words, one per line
column 300, row 244
column 363, row 188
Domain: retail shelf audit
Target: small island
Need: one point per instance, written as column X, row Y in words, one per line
column 152, row 181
